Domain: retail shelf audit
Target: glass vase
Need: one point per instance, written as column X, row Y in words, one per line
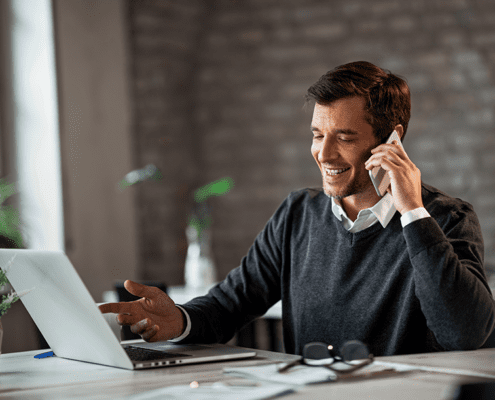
column 199, row 268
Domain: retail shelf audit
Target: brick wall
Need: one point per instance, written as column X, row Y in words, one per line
column 218, row 91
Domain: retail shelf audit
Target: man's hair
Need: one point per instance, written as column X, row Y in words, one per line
column 387, row 97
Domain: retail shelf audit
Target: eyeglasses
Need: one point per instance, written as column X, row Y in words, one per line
column 319, row 354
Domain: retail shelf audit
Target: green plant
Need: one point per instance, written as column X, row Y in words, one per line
column 201, row 218
column 9, row 215
column 7, row 299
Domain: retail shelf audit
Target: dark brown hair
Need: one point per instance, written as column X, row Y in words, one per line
column 387, row 97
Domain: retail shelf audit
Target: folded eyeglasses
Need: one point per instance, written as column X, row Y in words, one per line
column 319, row 354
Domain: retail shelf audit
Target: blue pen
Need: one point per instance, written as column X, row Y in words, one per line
column 44, row 355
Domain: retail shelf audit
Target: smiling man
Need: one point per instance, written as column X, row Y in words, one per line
column 402, row 273
column 342, row 143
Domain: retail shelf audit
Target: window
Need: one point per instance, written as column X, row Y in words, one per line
column 31, row 94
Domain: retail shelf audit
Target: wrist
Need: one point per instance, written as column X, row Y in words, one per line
column 413, row 215
column 410, row 207
column 184, row 322
column 185, row 328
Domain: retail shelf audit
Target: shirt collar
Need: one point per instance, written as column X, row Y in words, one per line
column 384, row 210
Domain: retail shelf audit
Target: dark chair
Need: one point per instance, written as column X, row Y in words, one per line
column 490, row 275
column 490, row 342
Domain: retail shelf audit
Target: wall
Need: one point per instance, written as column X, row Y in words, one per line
column 218, row 91
column 95, row 125
column 166, row 41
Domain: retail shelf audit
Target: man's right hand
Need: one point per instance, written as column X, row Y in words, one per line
column 155, row 316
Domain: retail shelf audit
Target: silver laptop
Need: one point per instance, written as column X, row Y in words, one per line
column 73, row 326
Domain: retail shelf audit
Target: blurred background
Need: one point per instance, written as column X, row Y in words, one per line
column 205, row 89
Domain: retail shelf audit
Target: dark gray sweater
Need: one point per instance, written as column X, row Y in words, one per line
column 400, row 290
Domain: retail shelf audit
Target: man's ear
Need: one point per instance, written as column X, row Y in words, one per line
column 400, row 130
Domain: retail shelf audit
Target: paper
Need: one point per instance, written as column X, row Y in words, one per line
column 298, row 375
column 443, row 370
column 217, row 391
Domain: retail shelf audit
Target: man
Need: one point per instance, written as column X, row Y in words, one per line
column 403, row 273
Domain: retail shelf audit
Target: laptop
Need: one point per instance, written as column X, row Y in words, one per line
column 74, row 327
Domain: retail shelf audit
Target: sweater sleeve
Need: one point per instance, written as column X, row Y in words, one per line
column 247, row 292
column 450, row 282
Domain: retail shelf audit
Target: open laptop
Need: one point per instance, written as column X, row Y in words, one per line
column 73, row 326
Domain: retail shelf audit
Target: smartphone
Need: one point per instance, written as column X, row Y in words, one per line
column 379, row 177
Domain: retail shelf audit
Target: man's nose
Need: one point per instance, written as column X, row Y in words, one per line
column 328, row 150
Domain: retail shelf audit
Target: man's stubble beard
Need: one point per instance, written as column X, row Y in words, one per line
column 356, row 186
column 349, row 191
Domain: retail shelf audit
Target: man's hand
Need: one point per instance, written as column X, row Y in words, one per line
column 155, row 316
column 405, row 177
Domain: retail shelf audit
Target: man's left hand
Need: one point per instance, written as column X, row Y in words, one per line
column 405, row 177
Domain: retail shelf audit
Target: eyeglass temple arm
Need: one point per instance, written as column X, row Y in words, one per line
column 290, row 365
column 354, row 368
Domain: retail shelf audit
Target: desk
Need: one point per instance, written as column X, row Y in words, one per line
column 22, row 376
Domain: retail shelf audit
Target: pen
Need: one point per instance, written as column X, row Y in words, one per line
column 44, row 355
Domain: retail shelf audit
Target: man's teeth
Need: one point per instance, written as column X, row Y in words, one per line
column 335, row 171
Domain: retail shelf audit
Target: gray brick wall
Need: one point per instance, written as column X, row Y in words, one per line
column 218, row 91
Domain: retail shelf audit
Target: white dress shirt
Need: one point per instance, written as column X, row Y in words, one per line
column 382, row 212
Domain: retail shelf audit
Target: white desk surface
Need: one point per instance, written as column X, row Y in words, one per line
column 23, row 376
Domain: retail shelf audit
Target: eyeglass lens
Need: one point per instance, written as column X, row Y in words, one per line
column 316, row 351
column 354, row 350
column 351, row 350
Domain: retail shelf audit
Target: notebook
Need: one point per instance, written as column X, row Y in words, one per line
column 73, row 326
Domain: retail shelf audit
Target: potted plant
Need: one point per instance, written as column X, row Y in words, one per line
column 199, row 266
column 10, row 237
column 7, row 299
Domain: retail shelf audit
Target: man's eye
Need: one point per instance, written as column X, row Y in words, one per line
column 317, row 136
column 344, row 139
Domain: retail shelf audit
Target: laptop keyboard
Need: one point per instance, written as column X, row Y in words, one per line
column 142, row 354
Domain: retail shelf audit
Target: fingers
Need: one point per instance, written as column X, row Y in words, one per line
column 117, row 308
column 387, row 161
column 391, row 147
column 150, row 334
column 140, row 290
column 145, row 329
column 141, row 326
column 124, row 319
